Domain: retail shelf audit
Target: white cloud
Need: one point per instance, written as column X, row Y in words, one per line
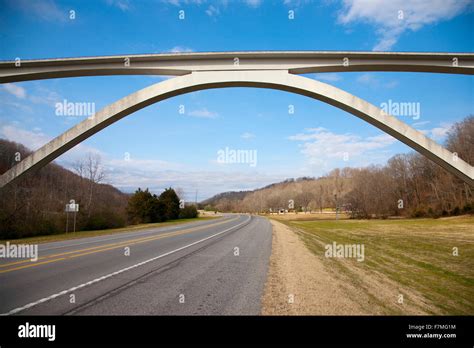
column 15, row 90
column 183, row 2
column 331, row 77
column 207, row 183
column 438, row 133
column 253, row 3
column 32, row 140
column 137, row 165
column 392, row 18
column 421, row 123
column 247, row 135
column 123, row 5
column 203, row 113
column 324, row 148
column 45, row 10
column 36, row 139
column 180, row 49
column 22, row 106
column 212, row 11
column 299, row 3
column 45, row 96
column 366, row 79
column 375, row 82
column 25, row 100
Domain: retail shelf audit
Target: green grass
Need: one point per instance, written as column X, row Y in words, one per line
column 85, row 234
column 415, row 253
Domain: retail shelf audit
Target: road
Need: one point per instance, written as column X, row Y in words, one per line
column 211, row 267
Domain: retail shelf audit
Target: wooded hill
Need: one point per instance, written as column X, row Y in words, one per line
column 35, row 204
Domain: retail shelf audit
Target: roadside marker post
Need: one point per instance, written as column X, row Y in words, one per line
column 73, row 208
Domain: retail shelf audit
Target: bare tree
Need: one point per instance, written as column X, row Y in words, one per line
column 91, row 172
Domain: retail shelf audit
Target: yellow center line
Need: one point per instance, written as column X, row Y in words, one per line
column 92, row 250
column 35, row 264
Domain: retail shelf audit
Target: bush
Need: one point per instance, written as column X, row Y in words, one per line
column 46, row 226
column 96, row 222
column 418, row 213
column 188, row 212
column 468, row 208
column 456, row 211
column 104, row 220
column 209, row 208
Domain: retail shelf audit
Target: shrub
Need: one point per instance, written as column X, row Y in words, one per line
column 418, row 213
column 104, row 220
column 468, row 208
column 188, row 212
column 456, row 211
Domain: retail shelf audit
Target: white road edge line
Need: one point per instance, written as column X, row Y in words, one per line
column 64, row 292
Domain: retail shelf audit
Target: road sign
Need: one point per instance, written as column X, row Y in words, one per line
column 72, row 208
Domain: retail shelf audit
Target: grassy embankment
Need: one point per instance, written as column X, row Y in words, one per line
column 415, row 254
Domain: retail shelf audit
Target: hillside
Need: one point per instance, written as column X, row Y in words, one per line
column 306, row 194
column 35, row 204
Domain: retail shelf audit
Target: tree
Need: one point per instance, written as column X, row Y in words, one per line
column 142, row 207
column 90, row 170
column 171, row 201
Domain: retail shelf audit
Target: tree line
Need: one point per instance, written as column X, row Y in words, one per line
column 408, row 185
column 35, row 204
column 145, row 207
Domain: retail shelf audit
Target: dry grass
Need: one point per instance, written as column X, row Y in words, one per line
column 326, row 215
column 412, row 257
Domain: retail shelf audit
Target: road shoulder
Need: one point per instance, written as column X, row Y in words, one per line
column 298, row 283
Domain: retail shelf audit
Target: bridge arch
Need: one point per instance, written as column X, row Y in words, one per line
column 273, row 79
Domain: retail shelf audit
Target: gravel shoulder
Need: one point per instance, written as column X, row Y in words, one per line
column 298, row 283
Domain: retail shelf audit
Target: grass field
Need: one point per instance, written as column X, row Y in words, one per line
column 413, row 255
column 84, row 234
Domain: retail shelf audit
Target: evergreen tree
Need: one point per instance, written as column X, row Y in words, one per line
column 171, row 202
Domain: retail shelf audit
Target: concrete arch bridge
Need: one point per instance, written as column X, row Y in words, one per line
column 275, row 70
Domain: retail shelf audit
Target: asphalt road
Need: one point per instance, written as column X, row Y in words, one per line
column 213, row 267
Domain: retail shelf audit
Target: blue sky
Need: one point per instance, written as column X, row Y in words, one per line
column 159, row 147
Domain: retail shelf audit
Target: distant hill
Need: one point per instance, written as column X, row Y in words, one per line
column 230, row 195
column 303, row 193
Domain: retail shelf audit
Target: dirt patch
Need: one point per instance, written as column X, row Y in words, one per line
column 303, row 283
